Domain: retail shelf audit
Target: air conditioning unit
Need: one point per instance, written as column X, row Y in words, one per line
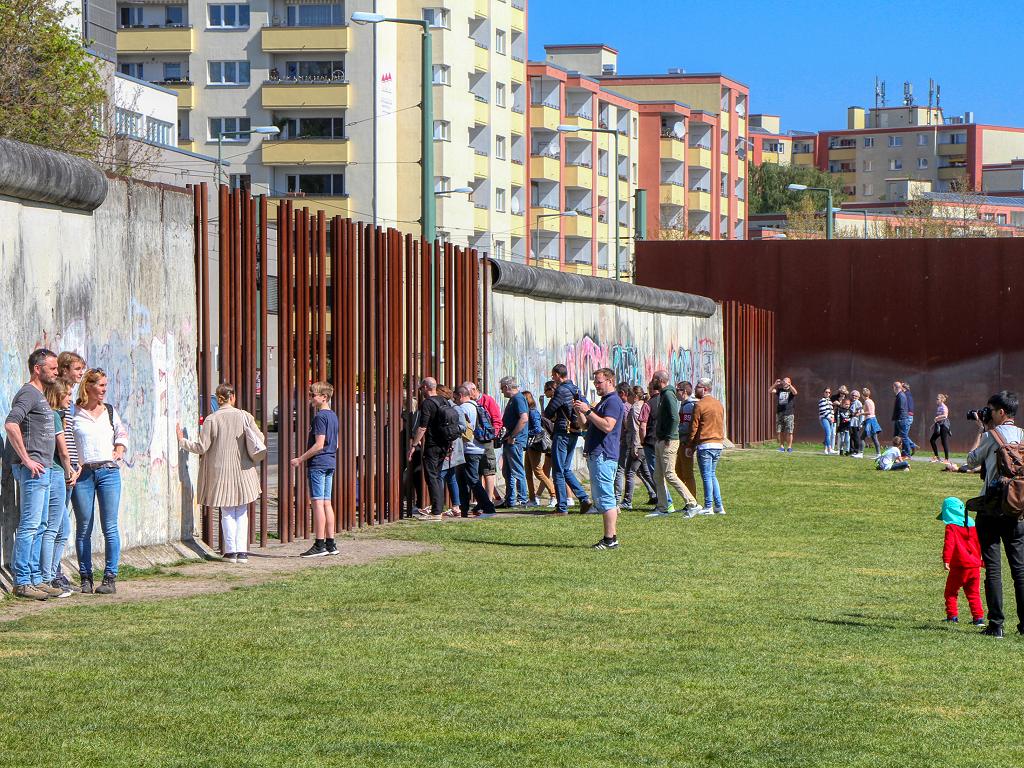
column 676, row 71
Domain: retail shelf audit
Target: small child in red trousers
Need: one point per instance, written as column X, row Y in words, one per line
column 961, row 556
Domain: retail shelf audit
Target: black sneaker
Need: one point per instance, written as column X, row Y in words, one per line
column 242, row 557
column 952, row 620
column 332, row 548
column 607, row 543
column 108, row 587
column 86, row 585
column 317, row 550
column 993, row 631
column 585, row 506
column 62, row 581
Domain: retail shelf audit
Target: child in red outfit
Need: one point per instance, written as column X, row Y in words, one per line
column 961, row 556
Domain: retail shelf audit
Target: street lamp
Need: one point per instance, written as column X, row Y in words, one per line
column 428, row 222
column 829, row 211
column 454, row 191
column 615, row 180
column 267, row 129
column 536, row 228
column 863, row 213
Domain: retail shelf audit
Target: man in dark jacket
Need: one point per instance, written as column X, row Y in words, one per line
column 559, row 411
column 666, row 430
column 901, row 418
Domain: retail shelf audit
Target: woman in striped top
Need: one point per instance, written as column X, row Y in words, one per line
column 826, row 416
column 70, row 369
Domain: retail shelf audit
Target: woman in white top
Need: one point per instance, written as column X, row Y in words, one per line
column 102, row 440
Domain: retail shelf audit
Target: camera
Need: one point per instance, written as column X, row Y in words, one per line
column 984, row 415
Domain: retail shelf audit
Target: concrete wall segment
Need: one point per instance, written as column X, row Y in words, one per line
column 42, row 175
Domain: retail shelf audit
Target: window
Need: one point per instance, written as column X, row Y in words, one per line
column 922, row 162
column 317, row 184
column 332, row 69
column 922, row 139
column 315, row 15
column 499, row 94
column 442, row 183
column 442, row 74
column 172, row 71
column 869, row 142
column 895, row 141
column 499, row 41
column 131, row 16
column 1000, row 218
column 635, row 129
column 314, row 128
column 229, row 125
column 241, row 181
column 442, row 130
column 869, row 189
column 868, row 166
column 896, row 164
column 499, row 249
column 159, row 132
column 175, row 15
column 132, row 70
column 229, row 16
column 438, row 17
column 499, row 147
column 499, row 200
column 229, row 72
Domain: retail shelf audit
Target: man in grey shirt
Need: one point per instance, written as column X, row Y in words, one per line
column 30, row 446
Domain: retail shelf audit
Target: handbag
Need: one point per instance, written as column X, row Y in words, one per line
column 539, row 442
column 255, row 445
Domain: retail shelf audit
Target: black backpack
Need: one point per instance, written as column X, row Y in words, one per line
column 446, row 426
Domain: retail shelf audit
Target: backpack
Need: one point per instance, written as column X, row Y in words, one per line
column 1010, row 466
column 446, row 426
column 484, row 430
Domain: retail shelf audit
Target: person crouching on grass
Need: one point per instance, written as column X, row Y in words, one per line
column 961, row 557
column 322, row 453
column 601, row 446
column 892, row 459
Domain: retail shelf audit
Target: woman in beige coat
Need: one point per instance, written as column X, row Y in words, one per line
column 230, row 447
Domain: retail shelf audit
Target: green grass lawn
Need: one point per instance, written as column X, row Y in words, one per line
column 802, row 629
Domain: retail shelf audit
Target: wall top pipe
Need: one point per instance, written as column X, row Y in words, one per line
column 538, row 283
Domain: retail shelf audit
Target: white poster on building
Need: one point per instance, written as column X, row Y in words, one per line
column 386, row 94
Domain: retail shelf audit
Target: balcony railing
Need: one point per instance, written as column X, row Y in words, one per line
column 579, row 163
column 549, row 102
column 336, row 76
column 518, row 57
column 481, row 152
column 623, row 177
column 481, row 45
column 517, row 161
column 481, row 99
column 282, row 23
column 842, row 144
column 582, row 113
column 674, row 182
column 554, row 154
column 700, row 144
column 519, row 5
column 667, row 134
column 154, row 26
column 518, row 109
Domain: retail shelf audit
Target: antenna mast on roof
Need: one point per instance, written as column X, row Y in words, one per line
column 908, row 94
column 931, row 98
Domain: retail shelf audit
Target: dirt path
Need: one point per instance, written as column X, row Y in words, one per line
column 216, row 576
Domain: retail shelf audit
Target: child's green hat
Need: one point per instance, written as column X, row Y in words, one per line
column 953, row 513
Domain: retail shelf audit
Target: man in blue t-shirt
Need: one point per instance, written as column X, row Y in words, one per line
column 601, row 447
column 516, row 420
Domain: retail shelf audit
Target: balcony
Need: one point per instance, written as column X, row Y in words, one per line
column 156, row 40
column 580, row 225
column 550, row 222
column 480, row 7
column 544, row 116
column 698, row 157
column 672, row 194
column 186, row 144
column 579, row 121
column 305, row 151
column 579, row 176
column 545, row 168
column 481, row 58
column 517, row 18
column 303, row 95
column 517, row 121
column 953, row 150
column 518, row 173
column 186, row 92
column 952, row 172
column 481, row 111
column 331, row 205
column 334, row 39
column 673, row 149
column 481, row 218
column 480, row 164
column 699, row 200
column 843, row 153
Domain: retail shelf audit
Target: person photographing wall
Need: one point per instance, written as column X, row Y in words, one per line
column 998, row 450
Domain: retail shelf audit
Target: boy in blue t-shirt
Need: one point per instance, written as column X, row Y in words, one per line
column 322, row 453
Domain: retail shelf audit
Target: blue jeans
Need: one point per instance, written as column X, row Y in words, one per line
column 514, row 471
column 102, row 484
column 903, row 430
column 451, row 481
column 563, row 446
column 34, row 498
column 707, row 460
column 58, row 523
column 826, row 424
column 469, row 483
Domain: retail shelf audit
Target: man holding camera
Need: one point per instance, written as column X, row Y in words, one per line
column 784, row 394
column 995, row 527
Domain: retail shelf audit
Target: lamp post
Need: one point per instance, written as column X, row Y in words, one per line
column 829, row 211
column 536, row 227
column 428, row 220
column 615, row 181
column 863, row 213
column 267, row 129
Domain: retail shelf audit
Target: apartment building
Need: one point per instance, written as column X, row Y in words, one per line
column 913, row 143
column 768, row 144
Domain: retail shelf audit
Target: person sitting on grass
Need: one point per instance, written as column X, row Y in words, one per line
column 961, row 557
column 892, row 458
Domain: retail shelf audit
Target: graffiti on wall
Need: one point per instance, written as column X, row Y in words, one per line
column 587, row 337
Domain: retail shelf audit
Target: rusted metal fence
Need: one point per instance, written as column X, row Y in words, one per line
column 370, row 311
column 749, row 334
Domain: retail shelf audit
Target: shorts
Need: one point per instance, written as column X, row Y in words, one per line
column 602, row 482
column 489, row 465
column 321, row 482
column 784, row 423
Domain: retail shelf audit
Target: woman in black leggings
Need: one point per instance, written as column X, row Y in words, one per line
column 940, row 429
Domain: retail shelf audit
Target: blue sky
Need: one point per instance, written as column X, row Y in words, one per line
column 809, row 61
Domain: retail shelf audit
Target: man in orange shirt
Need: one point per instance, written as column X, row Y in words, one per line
column 707, row 438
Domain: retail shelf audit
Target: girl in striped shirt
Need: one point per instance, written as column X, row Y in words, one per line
column 70, row 369
column 827, row 418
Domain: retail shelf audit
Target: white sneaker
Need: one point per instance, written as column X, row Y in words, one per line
column 857, row 456
column 553, row 503
column 656, row 513
column 720, row 511
column 534, row 502
column 571, row 502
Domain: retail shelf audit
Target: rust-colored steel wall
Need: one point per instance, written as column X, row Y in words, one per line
column 939, row 314
column 749, row 334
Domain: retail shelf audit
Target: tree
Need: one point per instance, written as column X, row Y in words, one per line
column 51, row 92
column 959, row 217
column 768, row 193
